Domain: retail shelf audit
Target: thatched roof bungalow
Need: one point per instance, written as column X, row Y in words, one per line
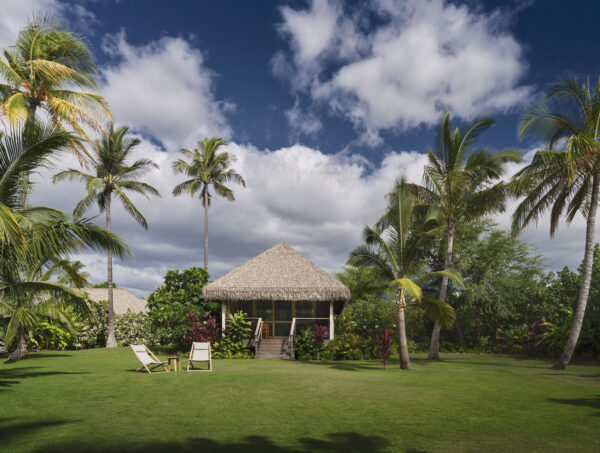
column 278, row 286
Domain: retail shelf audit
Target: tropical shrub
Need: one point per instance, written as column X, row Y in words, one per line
column 232, row 345
column 305, row 346
column 51, row 336
column 207, row 331
column 94, row 327
column 130, row 328
column 385, row 343
column 347, row 346
column 134, row 328
column 171, row 302
column 370, row 316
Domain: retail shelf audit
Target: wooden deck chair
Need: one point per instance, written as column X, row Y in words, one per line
column 149, row 360
column 200, row 353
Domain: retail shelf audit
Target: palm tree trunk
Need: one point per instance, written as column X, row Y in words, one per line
column 434, row 345
column 584, row 290
column 403, row 344
column 206, row 229
column 19, row 351
column 459, row 331
column 111, row 341
column 23, row 195
column 477, row 322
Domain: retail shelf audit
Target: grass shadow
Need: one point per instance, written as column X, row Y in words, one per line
column 12, row 376
column 593, row 402
column 11, row 428
column 365, row 365
column 335, row 442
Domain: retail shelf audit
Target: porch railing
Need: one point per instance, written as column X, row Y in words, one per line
column 293, row 332
column 257, row 334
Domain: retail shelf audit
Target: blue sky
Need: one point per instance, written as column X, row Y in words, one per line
column 324, row 102
column 239, row 40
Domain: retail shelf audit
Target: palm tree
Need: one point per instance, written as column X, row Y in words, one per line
column 394, row 249
column 564, row 181
column 71, row 273
column 43, row 70
column 112, row 175
column 459, row 182
column 32, row 238
column 207, row 166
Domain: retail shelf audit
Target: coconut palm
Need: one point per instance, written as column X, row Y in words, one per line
column 71, row 273
column 393, row 249
column 207, row 166
column 112, row 175
column 462, row 184
column 47, row 68
column 565, row 180
column 32, row 238
column 27, row 294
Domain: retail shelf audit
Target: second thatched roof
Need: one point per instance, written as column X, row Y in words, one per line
column 280, row 273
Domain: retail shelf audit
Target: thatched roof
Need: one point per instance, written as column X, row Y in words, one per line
column 280, row 273
column 123, row 300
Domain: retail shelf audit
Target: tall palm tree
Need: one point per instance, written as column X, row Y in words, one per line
column 566, row 180
column 461, row 183
column 42, row 236
column 47, row 68
column 112, row 175
column 393, row 250
column 207, row 166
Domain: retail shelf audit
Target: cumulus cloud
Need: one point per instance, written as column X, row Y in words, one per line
column 419, row 58
column 16, row 14
column 302, row 122
column 316, row 202
column 163, row 89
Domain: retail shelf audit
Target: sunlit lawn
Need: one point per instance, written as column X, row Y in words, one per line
column 93, row 401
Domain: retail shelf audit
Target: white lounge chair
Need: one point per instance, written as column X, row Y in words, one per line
column 200, row 353
column 148, row 359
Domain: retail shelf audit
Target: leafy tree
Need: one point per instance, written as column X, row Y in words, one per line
column 170, row 304
column 393, row 249
column 34, row 239
column 44, row 69
column 505, row 283
column 104, row 285
column 112, row 175
column 461, row 183
column 567, row 180
column 207, row 166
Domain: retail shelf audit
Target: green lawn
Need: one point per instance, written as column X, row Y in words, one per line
column 93, row 401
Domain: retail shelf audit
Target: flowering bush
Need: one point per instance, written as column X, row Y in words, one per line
column 207, row 331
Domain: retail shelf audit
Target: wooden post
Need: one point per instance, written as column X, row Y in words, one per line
column 331, row 326
column 223, row 317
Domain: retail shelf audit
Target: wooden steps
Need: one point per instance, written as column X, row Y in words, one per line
column 273, row 348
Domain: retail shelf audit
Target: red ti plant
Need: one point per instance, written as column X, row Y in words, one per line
column 207, row 331
column 321, row 334
column 385, row 343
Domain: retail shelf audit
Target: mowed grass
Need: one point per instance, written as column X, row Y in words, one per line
column 93, row 401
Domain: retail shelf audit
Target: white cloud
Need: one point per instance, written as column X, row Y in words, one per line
column 423, row 57
column 302, row 122
column 15, row 15
column 316, row 202
column 164, row 89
